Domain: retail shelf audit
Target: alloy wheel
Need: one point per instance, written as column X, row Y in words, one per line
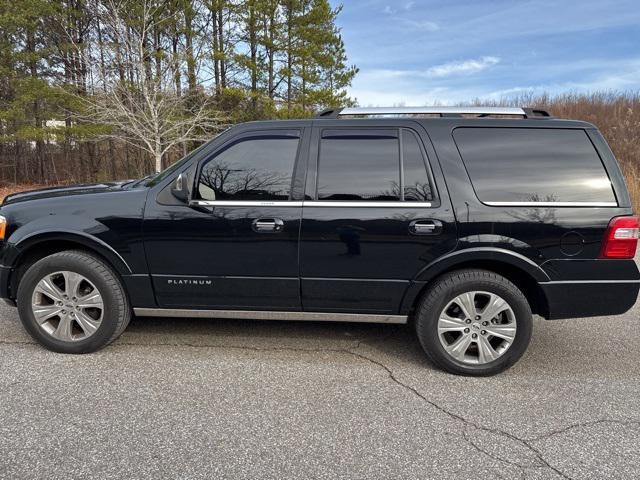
column 67, row 306
column 477, row 327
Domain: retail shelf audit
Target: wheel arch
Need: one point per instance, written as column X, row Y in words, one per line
column 39, row 245
column 516, row 268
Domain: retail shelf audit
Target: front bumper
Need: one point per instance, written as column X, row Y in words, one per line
column 5, row 286
column 589, row 298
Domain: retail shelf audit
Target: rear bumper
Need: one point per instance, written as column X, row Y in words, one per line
column 589, row 298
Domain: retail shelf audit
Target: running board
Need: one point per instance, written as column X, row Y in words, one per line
column 265, row 315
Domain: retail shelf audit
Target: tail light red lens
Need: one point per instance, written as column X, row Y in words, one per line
column 621, row 238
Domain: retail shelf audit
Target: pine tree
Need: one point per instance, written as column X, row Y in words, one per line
column 29, row 101
column 317, row 70
column 60, row 59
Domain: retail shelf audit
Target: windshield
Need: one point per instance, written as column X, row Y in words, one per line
column 158, row 177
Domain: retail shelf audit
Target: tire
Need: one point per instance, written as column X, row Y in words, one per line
column 442, row 323
column 80, row 322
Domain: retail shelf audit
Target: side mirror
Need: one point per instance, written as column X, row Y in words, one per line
column 180, row 188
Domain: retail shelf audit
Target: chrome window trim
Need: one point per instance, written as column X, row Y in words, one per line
column 309, row 203
column 366, row 204
column 551, row 204
column 270, row 315
column 247, row 203
column 374, row 204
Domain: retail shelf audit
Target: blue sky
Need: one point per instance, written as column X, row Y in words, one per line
column 424, row 52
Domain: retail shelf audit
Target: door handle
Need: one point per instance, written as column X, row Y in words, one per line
column 267, row 225
column 425, row 227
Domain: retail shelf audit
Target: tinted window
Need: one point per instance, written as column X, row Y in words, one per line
column 529, row 165
column 253, row 169
column 359, row 165
column 417, row 187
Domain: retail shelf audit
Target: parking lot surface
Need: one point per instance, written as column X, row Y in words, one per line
column 176, row 398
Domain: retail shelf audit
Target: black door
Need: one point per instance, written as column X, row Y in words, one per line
column 375, row 217
column 238, row 247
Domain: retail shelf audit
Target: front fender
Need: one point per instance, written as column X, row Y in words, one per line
column 18, row 245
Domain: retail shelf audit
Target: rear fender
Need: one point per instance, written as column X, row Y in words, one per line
column 532, row 274
column 459, row 257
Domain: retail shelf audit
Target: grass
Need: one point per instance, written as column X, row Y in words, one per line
column 632, row 175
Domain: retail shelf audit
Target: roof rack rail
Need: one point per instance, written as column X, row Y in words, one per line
column 330, row 113
column 536, row 112
column 441, row 111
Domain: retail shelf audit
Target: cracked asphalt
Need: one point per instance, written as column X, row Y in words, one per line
column 176, row 398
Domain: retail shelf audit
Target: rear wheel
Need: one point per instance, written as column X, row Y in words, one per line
column 72, row 302
column 474, row 322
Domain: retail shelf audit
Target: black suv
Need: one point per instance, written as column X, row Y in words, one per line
column 461, row 221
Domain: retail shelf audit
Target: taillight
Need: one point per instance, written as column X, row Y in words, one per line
column 621, row 238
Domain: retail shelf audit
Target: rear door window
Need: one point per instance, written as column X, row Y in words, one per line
column 512, row 165
column 372, row 165
column 359, row 165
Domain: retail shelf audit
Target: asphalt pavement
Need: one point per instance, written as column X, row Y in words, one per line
column 181, row 398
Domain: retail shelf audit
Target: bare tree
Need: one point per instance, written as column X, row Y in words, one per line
column 145, row 110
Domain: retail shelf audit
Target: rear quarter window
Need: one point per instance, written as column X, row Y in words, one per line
column 511, row 165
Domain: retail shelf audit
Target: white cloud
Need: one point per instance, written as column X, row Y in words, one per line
column 625, row 78
column 383, row 98
column 499, row 60
column 387, row 87
column 424, row 25
column 465, row 67
column 399, row 12
column 406, row 86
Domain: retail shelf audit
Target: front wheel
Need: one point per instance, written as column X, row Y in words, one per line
column 474, row 322
column 72, row 302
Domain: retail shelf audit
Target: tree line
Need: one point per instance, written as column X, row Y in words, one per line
column 92, row 90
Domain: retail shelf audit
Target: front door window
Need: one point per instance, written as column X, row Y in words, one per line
column 255, row 168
